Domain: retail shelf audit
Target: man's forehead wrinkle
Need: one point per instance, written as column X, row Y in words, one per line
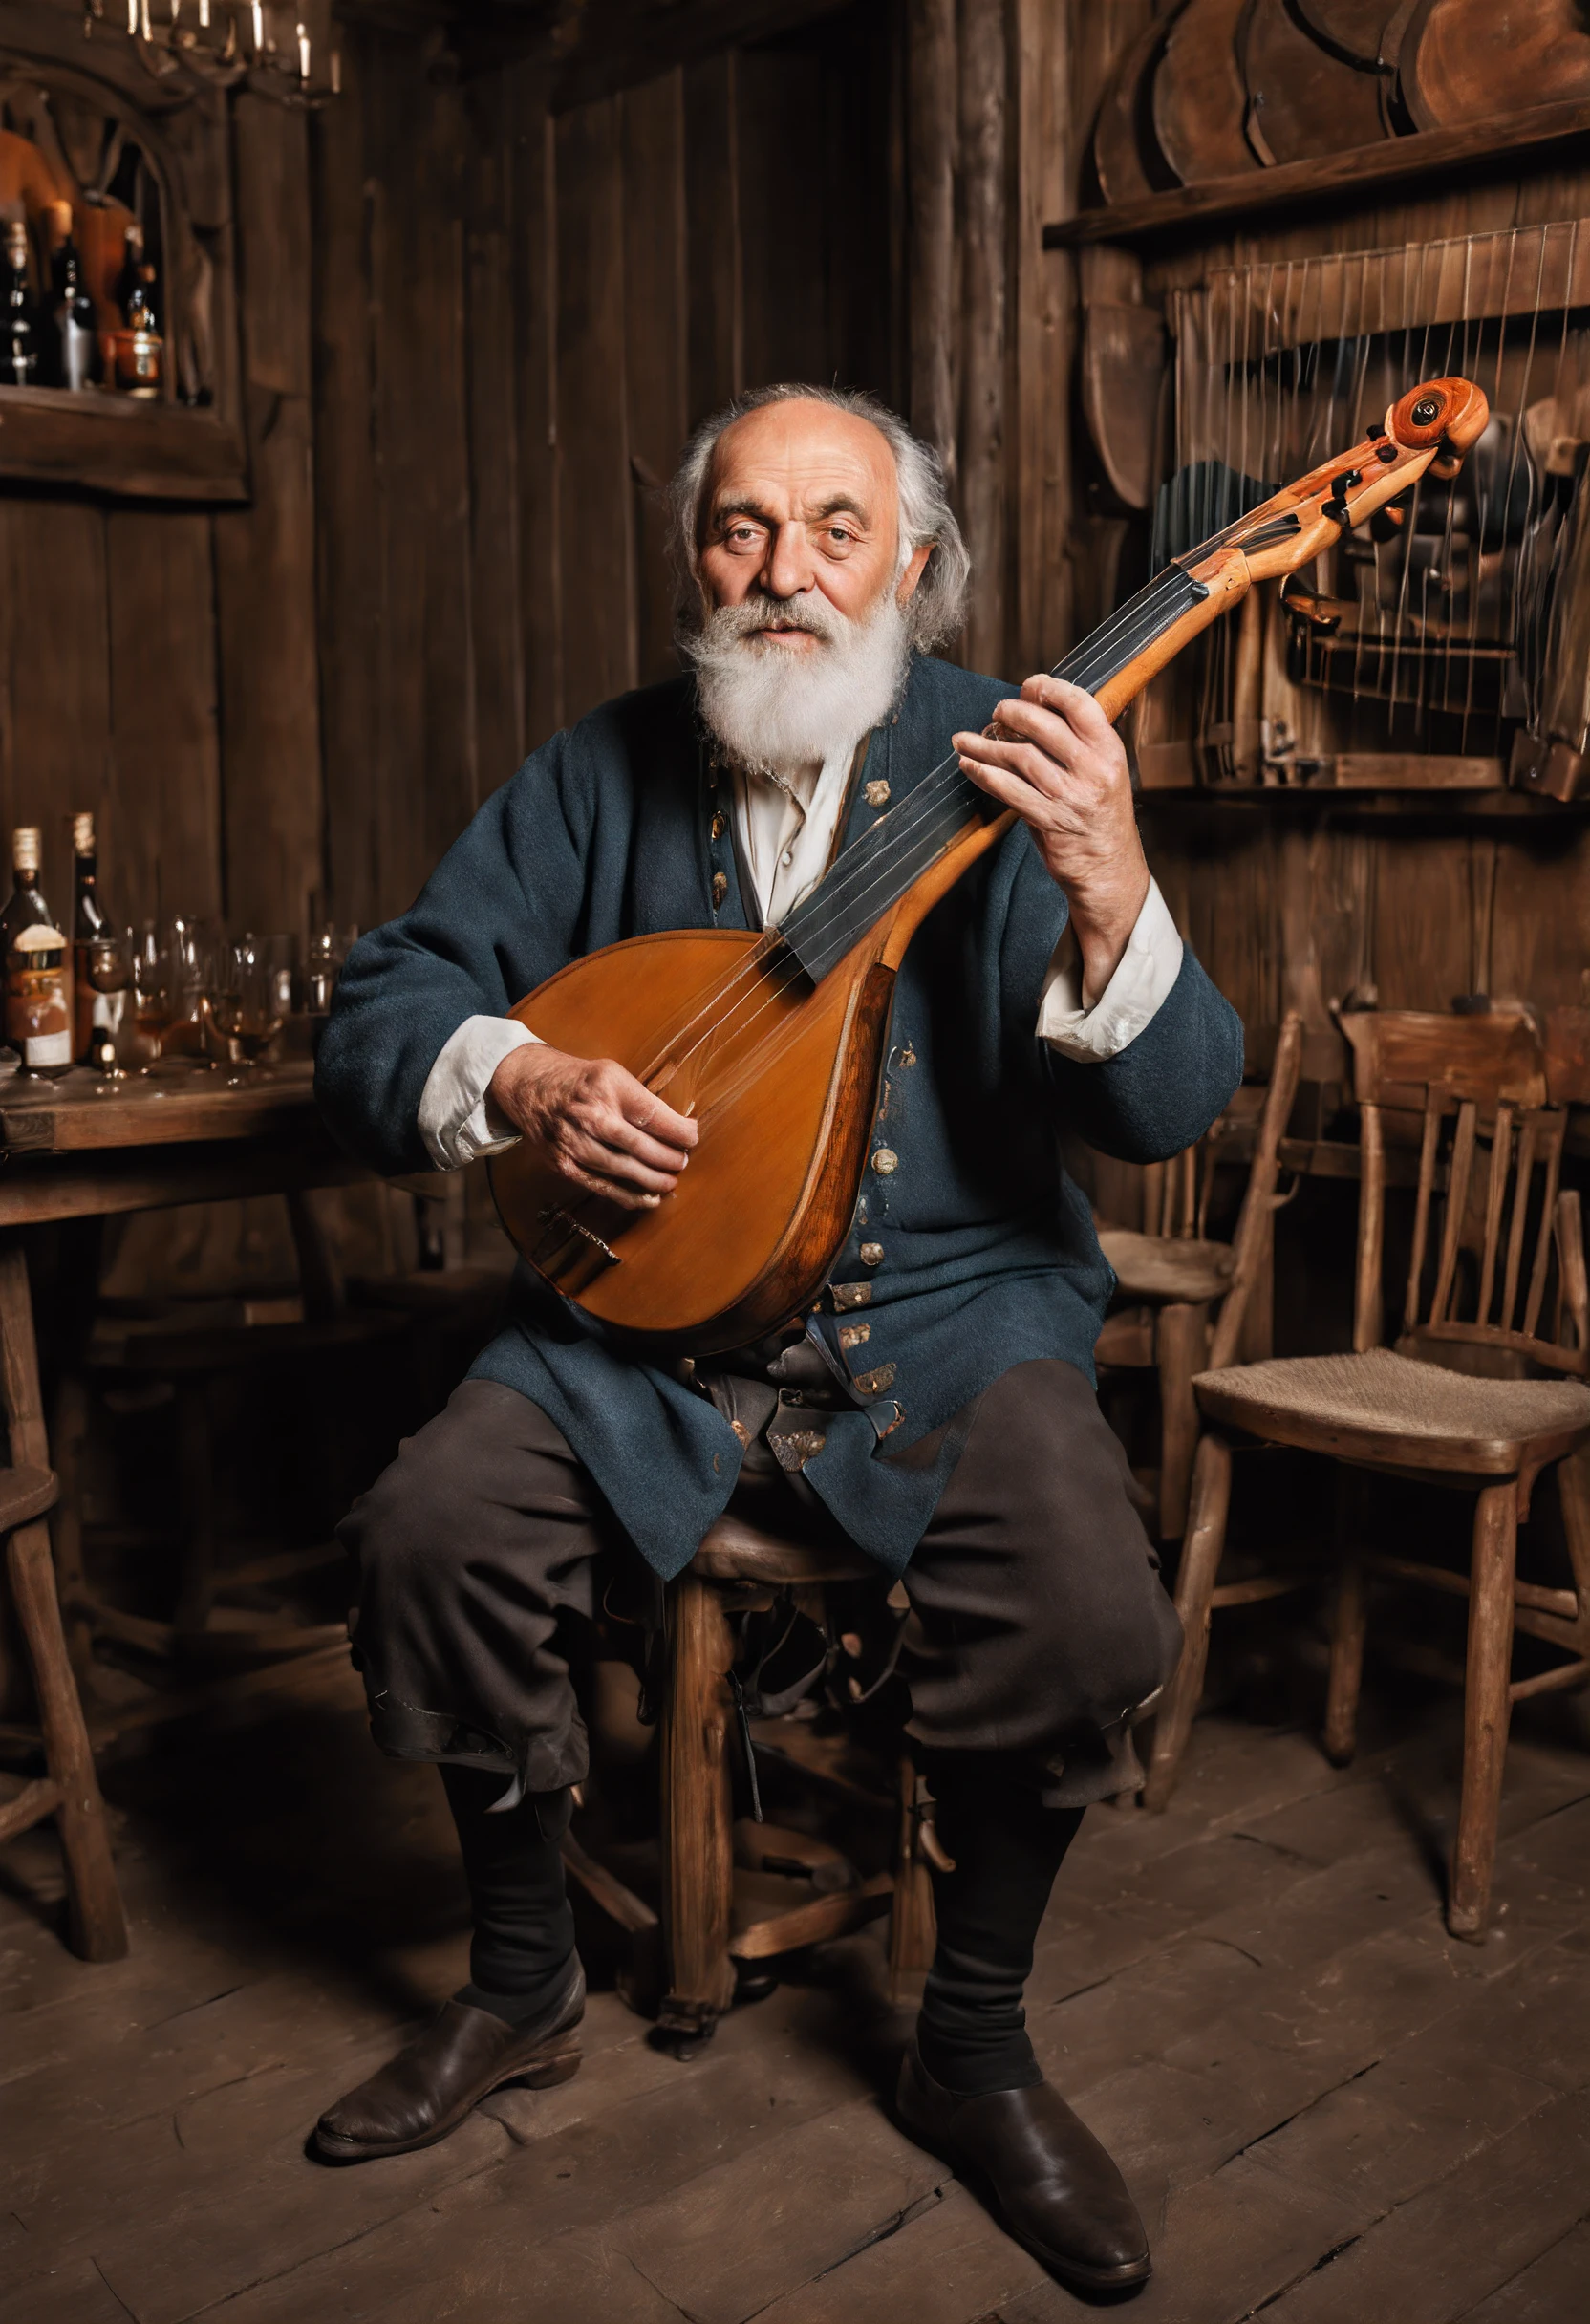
column 771, row 476
column 754, row 504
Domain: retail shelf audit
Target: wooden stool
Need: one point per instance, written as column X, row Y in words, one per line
column 69, row 1789
column 740, row 1568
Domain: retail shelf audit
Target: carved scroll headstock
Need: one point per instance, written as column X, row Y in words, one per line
column 1448, row 415
column 1293, row 526
column 1431, row 427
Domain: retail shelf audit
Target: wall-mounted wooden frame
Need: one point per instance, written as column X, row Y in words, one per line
column 1353, row 175
column 170, row 449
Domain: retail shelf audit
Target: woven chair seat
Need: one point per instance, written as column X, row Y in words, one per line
column 1361, row 1406
column 1164, row 1267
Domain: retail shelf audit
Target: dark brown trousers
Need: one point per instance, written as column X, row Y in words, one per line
column 1038, row 1624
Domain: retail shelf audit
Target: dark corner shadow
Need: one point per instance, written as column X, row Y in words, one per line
column 851, row 2015
column 295, row 1840
column 1425, row 1804
column 48, row 1911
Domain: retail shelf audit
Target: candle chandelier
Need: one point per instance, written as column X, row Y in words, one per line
column 285, row 52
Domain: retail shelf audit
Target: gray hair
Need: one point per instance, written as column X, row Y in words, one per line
column 936, row 611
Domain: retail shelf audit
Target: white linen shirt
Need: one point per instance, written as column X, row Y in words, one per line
column 784, row 825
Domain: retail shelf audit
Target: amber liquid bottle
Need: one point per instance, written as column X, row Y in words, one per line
column 139, row 350
column 38, row 995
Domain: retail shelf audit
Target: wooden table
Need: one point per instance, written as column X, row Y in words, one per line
column 82, row 1148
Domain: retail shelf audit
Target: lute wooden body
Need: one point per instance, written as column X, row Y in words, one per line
column 775, row 1042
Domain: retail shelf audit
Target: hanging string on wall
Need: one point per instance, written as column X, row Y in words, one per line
column 1456, row 626
column 283, row 52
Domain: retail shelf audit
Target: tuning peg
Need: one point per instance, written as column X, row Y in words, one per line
column 1387, row 522
column 1337, row 505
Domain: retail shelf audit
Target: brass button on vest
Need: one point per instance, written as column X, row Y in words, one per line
column 719, row 824
column 871, row 1254
column 886, row 1161
column 720, row 888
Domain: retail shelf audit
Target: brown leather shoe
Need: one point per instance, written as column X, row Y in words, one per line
column 1052, row 2186
column 418, row 2097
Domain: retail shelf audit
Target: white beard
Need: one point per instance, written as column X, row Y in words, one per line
column 771, row 708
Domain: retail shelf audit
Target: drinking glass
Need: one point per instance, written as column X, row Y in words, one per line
column 110, row 969
column 199, row 964
column 329, row 947
column 150, row 981
column 245, row 999
column 281, row 955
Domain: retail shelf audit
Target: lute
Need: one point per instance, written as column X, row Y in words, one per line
column 775, row 1042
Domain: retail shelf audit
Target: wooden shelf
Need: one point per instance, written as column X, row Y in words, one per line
column 1431, row 805
column 1337, row 176
column 115, row 443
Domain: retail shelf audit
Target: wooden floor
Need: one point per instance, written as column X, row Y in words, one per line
column 1330, row 2113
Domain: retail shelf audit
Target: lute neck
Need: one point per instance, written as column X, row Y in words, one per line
column 879, row 871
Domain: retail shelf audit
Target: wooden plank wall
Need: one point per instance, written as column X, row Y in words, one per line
column 1290, row 906
column 474, row 338
column 157, row 665
column 518, row 317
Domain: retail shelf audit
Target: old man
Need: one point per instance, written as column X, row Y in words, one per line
column 820, row 565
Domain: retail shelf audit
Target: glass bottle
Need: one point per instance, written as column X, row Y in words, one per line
column 132, row 260
column 19, row 354
column 92, row 935
column 139, row 349
column 38, row 997
column 76, row 325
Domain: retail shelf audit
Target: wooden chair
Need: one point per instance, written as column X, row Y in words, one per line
column 69, row 1789
column 1482, row 1404
column 1170, row 1277
column 712, row 1925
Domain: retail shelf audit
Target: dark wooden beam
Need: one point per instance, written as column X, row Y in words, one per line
column 596, row 47
column 931, row 69
column 1335, row 176
column 983, row 106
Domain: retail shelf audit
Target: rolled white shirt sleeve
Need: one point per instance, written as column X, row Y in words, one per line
column 456, row 1119
column 1144, row 976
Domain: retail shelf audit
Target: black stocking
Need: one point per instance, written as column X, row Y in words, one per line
column 524, row 1929
column 1007, row 1848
